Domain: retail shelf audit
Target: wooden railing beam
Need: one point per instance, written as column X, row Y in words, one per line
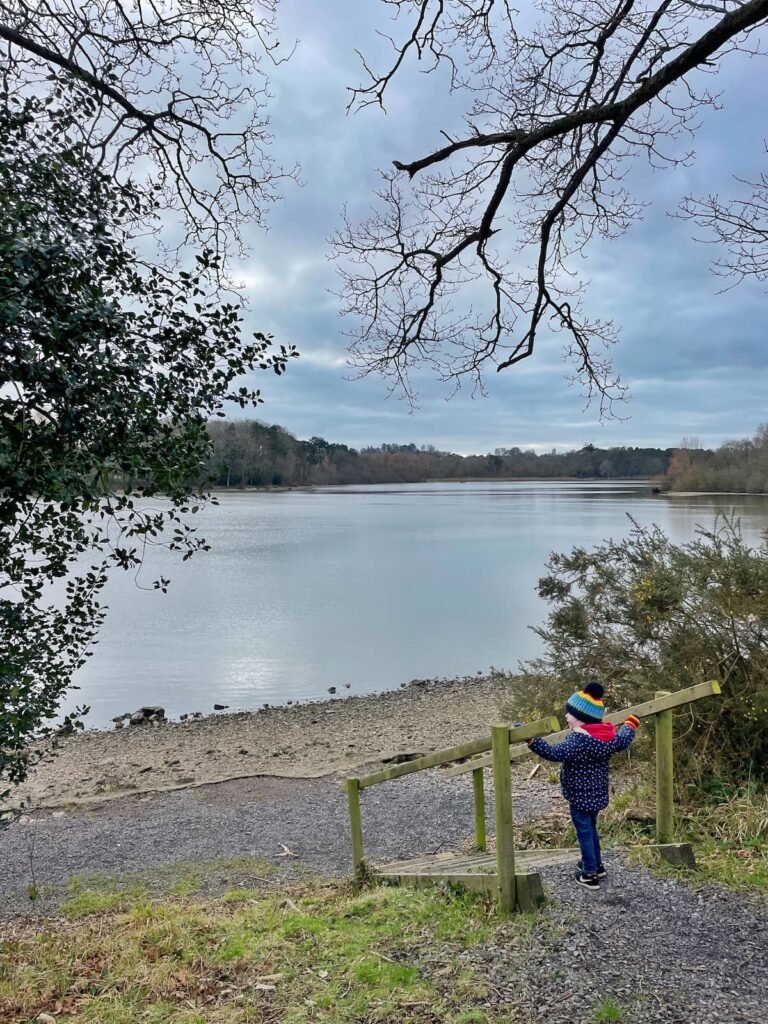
column 528, row 730
column 420, row 764
column 649, row 707
column 355, row 825
column 478, row 791
column 440, row 757
column 505, row 847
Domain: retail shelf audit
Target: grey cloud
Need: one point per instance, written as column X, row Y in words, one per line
column 694, row 359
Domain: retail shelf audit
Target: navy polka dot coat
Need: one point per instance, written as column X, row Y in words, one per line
column 584, row 774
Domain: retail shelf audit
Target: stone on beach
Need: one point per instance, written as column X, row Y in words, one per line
column 147, row 714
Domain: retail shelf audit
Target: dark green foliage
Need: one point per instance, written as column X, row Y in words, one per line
column 110, row 370
column 644, row 614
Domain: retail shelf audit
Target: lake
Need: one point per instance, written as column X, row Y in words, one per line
column 359, row 587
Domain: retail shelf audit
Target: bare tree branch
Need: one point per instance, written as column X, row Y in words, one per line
column 178, row 97
column 463, row 266
column 739, row 226
column 440, row 25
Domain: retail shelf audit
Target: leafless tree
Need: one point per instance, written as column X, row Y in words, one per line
column 470, row 253
column 177, row 96
column 739, row 226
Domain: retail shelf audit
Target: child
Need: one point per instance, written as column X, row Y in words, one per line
column 585, row 754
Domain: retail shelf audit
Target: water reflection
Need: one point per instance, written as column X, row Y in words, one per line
column 366, row 587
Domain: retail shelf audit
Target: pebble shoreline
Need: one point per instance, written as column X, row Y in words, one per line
column 297, row 741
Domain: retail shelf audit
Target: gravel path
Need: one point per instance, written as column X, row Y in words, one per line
column 419, row 814
column 666, row 954
column 661, row 951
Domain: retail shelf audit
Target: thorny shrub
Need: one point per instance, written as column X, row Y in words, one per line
column 643, row 614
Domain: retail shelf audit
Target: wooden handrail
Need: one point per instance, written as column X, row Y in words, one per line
column 665, row 801
column 505, row 841
column 502, row 754
column 649, row 707
column 354, row 785
column 440, row 757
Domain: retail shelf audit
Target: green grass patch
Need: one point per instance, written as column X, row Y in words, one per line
column 471, row 1017
column 87, row 902
column 607, row 1012
column 298, row 952
column 89, row 894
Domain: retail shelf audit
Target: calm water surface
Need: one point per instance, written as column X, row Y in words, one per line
column 366, row 586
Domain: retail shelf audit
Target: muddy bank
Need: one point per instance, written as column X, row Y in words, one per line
column 299, row 741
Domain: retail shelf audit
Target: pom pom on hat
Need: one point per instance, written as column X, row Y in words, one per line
column 587, row 704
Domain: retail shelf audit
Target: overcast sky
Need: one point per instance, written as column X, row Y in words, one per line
column 692, row 357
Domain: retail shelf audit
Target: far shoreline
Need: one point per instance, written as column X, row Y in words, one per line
column 279, row 488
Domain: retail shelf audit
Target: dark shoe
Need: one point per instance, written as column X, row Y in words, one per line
column 601, row 872
column 588, row 881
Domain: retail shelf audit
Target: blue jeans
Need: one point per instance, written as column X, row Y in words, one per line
column 585, row 823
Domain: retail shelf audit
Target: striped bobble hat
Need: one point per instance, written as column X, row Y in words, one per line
column 587, row 704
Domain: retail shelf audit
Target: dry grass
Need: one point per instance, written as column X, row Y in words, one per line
column 728, row 830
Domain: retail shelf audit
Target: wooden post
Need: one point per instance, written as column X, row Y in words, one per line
column 502, row 789
column 665, row 823
column 355, row 824
column 479, row 792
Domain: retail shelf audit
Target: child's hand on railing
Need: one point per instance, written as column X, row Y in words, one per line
column 516, row 725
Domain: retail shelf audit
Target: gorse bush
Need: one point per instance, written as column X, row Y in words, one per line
column 644, row 614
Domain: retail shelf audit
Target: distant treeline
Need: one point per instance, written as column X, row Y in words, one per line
column 248, row 453
column 734, row 466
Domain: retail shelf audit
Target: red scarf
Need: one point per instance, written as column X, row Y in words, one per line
column 604, row 731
